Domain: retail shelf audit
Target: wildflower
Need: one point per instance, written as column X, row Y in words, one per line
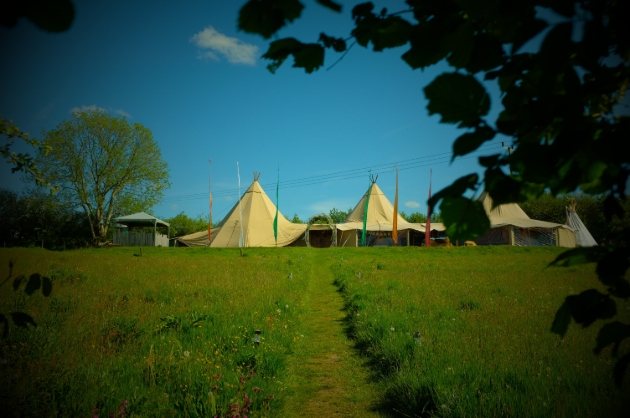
column 186, row 353
column 392, row 329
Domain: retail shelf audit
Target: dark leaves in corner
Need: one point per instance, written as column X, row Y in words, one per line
column 336, row 7
column 307, row 56
column 470, row 141
column 465, row 218
column 49, row 15
column 585, row 308
column 458, row 98
column 266, row 17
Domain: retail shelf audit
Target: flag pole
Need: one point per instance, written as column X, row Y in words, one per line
column 395, row 221
column 427, row 229
column 210, row 217
column 275, row 220
column 240, row 209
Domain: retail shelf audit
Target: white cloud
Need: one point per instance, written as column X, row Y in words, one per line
column 412, row 204
column 174, row 207
column 228, row 198
column 121, row 112
column 94, row 107
column 235, row 50
column 87, row 109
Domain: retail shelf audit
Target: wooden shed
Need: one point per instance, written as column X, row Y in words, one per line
column 135, row 230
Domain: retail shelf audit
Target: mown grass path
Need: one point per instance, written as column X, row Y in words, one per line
column 328, row 377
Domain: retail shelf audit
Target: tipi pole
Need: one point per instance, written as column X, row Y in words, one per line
column 240, row 209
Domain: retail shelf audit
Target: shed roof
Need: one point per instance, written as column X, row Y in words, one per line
column 140, row 219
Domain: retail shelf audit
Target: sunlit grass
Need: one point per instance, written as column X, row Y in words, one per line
column 484, row 316
column 170, row 331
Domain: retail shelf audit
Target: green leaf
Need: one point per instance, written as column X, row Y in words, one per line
column 577, row 256
column 330, row 4
column 337, row 44
column 562, row 319
column 34, row 283
column 423, row 53
column 310, row 57
column 51, row 15
column 457, row 98
column 279, row 51
column 307, row 56
column 390, row 32
column 487, row 54
column 489, row 160
column 22, row 320
column 461, row 44
column 456, row 189
column 470, row 141
column 362, row 10
column 266, row 17
column 612, row 333
column 464, row 218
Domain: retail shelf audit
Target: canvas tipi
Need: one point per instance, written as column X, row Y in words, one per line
column 583, row 238
column 256, row 212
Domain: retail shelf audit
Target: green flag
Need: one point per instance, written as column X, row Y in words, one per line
column 275, row 220
column 365, row 216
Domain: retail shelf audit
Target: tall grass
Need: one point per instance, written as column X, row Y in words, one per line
column 168, row 333
column 483, row 315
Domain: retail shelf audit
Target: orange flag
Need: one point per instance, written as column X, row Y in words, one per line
column 210, row 217
column 395, row 222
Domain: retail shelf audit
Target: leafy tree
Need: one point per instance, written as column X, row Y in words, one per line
column 36, row 219
column 558, row 108
column 181, row 224
column 20, row 161
column 338, row 216
column 296, row 219
column 104, row 165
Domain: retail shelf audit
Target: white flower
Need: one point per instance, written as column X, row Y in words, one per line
column 186, row 353
column 392, row 329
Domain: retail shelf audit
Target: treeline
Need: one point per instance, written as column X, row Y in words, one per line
column 37, row 219
column 339, row 216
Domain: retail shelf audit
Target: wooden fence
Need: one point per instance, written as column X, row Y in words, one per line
column 140, row 239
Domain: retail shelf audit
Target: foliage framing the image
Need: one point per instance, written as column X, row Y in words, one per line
column 558, row 107
column 105, row 165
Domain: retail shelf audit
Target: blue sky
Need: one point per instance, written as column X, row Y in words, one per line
column 185, row 72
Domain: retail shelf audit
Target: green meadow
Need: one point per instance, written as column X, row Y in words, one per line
column 170, row 332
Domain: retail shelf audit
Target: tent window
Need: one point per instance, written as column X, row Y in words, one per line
column 540, row 237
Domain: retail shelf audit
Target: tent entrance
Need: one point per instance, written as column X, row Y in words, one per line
column 322, row 238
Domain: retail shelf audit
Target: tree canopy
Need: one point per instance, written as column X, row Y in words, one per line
column 558, row 107
column 104, row 165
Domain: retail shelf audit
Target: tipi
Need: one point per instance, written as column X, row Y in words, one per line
column 252, row 215
column 583, row 238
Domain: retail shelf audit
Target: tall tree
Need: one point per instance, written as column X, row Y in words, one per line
column 559, row 108
column 105, row 165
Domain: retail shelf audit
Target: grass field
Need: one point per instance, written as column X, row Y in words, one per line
column 170, row 333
